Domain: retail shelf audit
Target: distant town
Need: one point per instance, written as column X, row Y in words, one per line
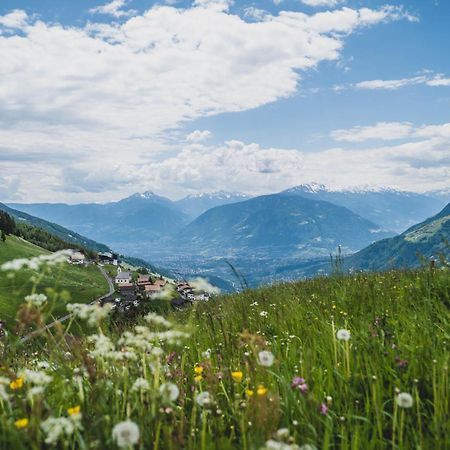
column 134, row 285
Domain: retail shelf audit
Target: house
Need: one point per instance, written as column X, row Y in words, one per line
column 123, row 278
column 77, row 258
column 160, row 282
column 109, row 258
column 152, row 289
column 143, row 280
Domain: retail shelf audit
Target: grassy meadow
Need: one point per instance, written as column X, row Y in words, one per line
column 61, row 283
column 357, row 362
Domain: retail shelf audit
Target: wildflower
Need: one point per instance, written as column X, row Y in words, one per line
column 263, row 313
column 207, row 353
column 16, row 384
column 203, row 399
column 126, row 434
column 404, row 400
column 21, row 423
column 36, row 300
column 237, row 376
column 249, row 392
column 93, row 314
column 74, row 410
column 283, row 433
column 43, row 365
column 296, row 382
column 169, row 391
column 57, row 427
column 323, row 409
column 343, row 335
column 155, row 319
column 37, row 377
column 329, row 399
column 266, row 358
column 198, row 370
column 261, row 390
column 198, row 378
column 141, row 384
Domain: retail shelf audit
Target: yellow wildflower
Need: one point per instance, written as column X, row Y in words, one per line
column 21, row 423
column 74, row 410
column 237, row 376
column 261, row 390
column 249, row 392
column 16, row 384
column 198, row 378
column 334, row 306
column 198, row 370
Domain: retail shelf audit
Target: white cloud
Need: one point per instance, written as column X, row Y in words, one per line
column 15, row 19
column 113, row 8
column 317, row 3
column 390, row 84
column 198, row 136
column 382, row 131
column 104, row 95
column 439, row 80
column 429, row 80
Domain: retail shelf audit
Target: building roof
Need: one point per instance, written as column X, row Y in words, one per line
column 160, row 282
column 152, row 288
column 143, row 279
column 123, row 276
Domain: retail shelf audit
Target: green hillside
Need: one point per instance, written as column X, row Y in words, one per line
column 265, row 369
column 430, row 238
column 54, row 229
column 62, row 283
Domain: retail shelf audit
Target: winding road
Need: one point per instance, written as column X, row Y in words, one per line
column 67, row 316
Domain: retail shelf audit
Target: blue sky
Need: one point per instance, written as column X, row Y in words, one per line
column 102, row 99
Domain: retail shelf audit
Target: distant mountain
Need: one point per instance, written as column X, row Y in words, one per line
column 391, row 209
column 430, row 238
column 55, row 230
column 145, row 216
column 196, row 204
column 278, row 225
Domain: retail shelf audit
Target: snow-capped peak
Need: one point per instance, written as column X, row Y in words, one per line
column 219, row 195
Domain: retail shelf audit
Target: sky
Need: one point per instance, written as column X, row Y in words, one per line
column 100, row 99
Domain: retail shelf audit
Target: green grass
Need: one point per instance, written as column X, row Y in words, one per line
column 62, row 284
column 399, row 324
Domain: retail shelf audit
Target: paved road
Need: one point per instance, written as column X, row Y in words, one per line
column 67, row 316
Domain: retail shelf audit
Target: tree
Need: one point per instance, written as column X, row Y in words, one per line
column 3, row 236
column 7, row 224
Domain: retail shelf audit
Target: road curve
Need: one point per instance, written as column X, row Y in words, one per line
column 67, row 316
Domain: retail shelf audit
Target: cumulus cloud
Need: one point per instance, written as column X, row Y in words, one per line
column 113, row 8
column 382, row 130
column 15, row 19
column 105, row 94
column 198, row 136
column 388, row 131
column 317, row 3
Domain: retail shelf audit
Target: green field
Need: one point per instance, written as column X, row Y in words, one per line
column 62, row 284
column 347, row 398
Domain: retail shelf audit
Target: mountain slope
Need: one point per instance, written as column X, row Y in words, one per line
column 430, row 238
column 278, row 224
column 81, row 284
column 54, row 229
column 391, row 209
column 196, row 204
column 140, row 216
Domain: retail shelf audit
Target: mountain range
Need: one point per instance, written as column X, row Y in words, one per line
column 391, row 209
column 288, row 225
column 268, row 237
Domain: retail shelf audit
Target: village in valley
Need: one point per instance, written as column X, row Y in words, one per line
column 133, row 286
